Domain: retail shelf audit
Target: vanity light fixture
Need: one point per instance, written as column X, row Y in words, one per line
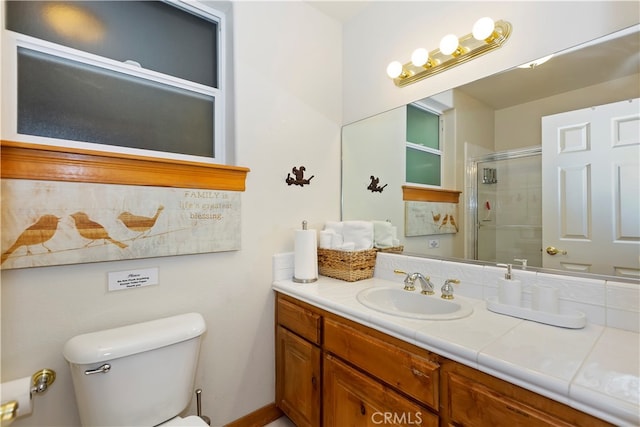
column 486, row 36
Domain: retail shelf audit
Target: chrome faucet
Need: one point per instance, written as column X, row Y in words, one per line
column 425, row 284
column 410, row 280
column 447, row 288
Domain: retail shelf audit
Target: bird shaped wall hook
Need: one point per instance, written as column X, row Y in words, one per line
column 373, row 185
column 299, row 177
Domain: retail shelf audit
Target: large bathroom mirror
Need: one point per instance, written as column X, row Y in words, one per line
column 492, row 152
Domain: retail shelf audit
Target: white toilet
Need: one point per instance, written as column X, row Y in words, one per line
column 137, row 375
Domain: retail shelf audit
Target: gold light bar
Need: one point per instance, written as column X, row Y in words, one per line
column 468, row 48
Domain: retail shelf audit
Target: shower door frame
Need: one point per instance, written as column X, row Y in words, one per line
column 472, row 177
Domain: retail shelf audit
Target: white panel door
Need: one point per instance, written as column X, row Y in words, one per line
column 591, row 187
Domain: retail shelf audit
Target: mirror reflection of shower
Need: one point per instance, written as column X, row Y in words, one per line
column 508, row 210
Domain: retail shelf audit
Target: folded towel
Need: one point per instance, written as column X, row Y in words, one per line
column 336, row 241
column 325, row 240
column 347, row 246
column 383, row 234
column 358, row 232
column 334, row 226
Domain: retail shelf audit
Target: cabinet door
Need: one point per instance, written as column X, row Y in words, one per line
column 298, row 378
column 352, row 399
column 475, row 399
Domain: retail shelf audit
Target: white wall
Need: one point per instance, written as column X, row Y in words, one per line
column 387, row 31
column 288, row 113
column 288, row 65
column 519, row 126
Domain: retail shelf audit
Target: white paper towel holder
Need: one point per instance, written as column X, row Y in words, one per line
column 295, row 279
column 310, row 280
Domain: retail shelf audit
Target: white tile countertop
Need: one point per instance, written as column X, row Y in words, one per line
column 595, row 369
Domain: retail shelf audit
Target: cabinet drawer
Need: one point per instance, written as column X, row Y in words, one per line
column 414, row 375
column 354, row 399
column 473, row 404
column 299, row 320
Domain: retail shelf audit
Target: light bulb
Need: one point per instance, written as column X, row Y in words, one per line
column 449, row 44
column 394, row 69
column 419, row 57
column 483, row 28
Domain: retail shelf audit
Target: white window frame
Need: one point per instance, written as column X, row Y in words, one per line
column 11, row 41
column 430, row 150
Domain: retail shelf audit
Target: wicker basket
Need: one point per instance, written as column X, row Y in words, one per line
column 350, row 266
column 392, row 249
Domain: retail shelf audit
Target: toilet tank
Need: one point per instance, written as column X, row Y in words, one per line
column 135, row 375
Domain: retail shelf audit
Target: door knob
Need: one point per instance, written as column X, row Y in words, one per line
column 553, row 251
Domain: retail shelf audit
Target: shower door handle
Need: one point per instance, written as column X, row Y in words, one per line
column 554, row 251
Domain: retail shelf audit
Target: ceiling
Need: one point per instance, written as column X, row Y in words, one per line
column 340, row 10
column 570, row 70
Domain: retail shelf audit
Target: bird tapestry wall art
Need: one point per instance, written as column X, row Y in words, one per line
column 430, row 218
column 53, row 223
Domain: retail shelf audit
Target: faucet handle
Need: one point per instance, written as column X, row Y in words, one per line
column 409, row 280
column 523, row 261
column 447, row 288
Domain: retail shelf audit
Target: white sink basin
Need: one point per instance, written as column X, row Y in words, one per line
column 413, row 304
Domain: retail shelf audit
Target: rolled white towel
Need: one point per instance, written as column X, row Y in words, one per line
column 358, row 232
column 383, row 234
column 326, row 237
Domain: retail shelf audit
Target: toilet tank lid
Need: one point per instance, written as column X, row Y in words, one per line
column 124, row 341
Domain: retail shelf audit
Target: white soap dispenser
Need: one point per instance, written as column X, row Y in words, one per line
column 509, row 289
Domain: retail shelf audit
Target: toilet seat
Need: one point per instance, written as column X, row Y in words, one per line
column 190, row 421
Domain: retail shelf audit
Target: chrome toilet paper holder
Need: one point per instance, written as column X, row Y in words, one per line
column 42, row 379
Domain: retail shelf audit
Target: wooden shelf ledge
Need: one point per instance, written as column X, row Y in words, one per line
column 421, row 194
column 50, row 163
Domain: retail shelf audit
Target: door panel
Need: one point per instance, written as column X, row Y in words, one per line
column 591, row 208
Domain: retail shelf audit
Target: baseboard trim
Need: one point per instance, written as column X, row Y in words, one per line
column 258, row 418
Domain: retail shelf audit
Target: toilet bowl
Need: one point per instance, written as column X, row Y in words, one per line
column 137, row 375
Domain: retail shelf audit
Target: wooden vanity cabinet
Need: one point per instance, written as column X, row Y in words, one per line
column 334, row 372
column 472, row 398
column 298, row 364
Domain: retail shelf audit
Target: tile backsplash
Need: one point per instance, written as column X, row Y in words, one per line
column 609, row 303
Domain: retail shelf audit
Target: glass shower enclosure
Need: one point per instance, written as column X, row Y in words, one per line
column 508, row 207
